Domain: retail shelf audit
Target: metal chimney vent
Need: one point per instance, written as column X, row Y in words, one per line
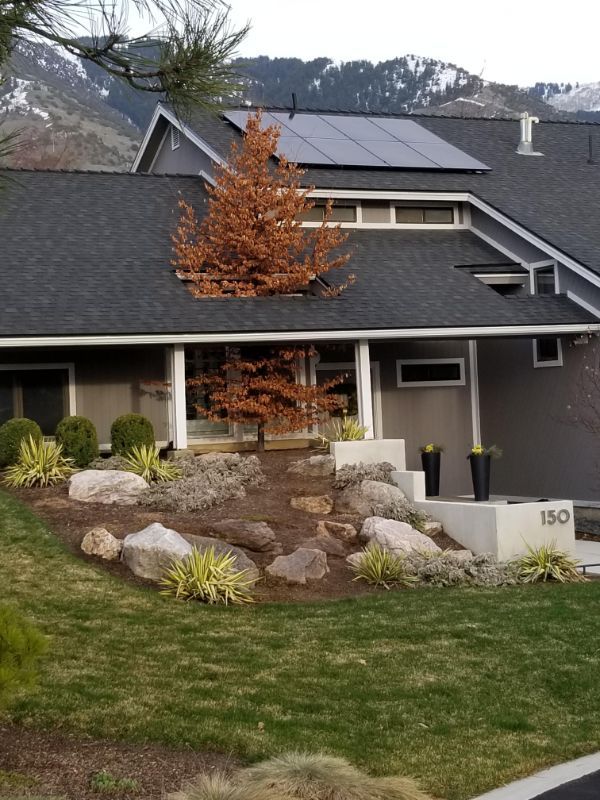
column 525, row 147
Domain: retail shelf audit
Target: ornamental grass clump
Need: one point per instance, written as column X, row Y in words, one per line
column 548, row 563
column 380, row 567
column 402, row 511
column 218, row 786
column 144, row 460
column 317, row 776
column 208, row 577
column 353, row 474
column 40, row 464
column 342, row 429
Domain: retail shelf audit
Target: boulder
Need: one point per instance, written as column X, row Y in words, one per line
column 321, row 504
column 341, row 530
column 313, row 467
column 354, row 559
column 462, row 557
column 99, row 542
column 251, row 535
column 242, row 561
column 106, row 486
column 149, row 552
column 397, row 537
column 362, row 498
column 432, row 528
column 301, row 565
column 326, row 543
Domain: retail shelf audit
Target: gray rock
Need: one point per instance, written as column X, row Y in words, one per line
column 326, row 543
column 354, row 559
column 432, row 528
column 99, row 542
column 313, row 467
column 397, row 537
column 341, row 530
column 301, row 565
column 106, row 486
column 149, row 552
column 251, row 535
column 322, row 504
column 362, row 498
column 242, row 561
column 461, row 556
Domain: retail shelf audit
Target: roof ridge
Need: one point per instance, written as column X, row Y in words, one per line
column 122, row 173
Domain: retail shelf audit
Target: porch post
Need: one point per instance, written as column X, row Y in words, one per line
column 363, row 386
column 178, row 404
column 474, row 379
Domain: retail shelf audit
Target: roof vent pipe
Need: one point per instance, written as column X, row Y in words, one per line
column 525, row 147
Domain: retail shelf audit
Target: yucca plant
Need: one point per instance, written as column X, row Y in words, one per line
column 144, row 460
column 208, row 577
column 218, row 786
column 342, row 429
column 379, row 567
column 548, row 563
column 39, row 464
column 317, row 776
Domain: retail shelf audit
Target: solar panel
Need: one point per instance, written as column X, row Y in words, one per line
column 360, row 141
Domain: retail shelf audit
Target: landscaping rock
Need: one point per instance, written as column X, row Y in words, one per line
column 301, row 565
column 242, row 561
column 251, row 535
column 99, row 542
column 322, row 504
column 397, row 537
column 149, row 552
column 313, row 467
column 326, row 543
column 362, row 498
column 341, row 530
column 354, row 559
column 432, row 528
column 106, row 486
column 461, row 556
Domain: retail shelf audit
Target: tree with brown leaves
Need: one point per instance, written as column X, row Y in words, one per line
column 251, row 243
column 261, row 388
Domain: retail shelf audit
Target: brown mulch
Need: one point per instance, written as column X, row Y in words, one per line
column 70, row 521
column 54, row 764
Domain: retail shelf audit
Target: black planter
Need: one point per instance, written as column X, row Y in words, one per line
column 431, row 468
column 480, row 472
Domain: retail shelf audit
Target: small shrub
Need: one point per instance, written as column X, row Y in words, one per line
column 21, row 646
column 316, row 776
column 12, row 434
column 110, row 462
column 548, row 563
column 208, row 577
column 342, row 429
column 130, row 430
column 106, row 783
column 402, row 511
column 379, row 567
column 39, row 464
column 145, row 461
column 352, row 474
column 447, row 568
column 218, row 786
column 79, row 439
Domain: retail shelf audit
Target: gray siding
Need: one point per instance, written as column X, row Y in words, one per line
column 570, row 281
column 525, row 411
column 187, row 159
column 504, row 237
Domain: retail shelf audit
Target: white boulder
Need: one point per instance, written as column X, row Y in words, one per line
column 106, row 486
column 149, row 552
column 362, row 498
column 397, row 537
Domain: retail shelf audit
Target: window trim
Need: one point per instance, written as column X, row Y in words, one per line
column 392, row 224
column 539, row 265
column 429, row 384
column 69, row 366
column 557, row 362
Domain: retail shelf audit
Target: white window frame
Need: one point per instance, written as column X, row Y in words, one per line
column 557, row 362
column 68, row 366
column 429, row 384
column 537, row 265
column 175, row 138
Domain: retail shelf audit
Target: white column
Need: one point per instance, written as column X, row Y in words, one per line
column 178, row 398
column 474, row 379
column 363, row 386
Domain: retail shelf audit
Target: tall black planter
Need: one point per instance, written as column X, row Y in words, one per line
column 431, row 468
column 480, row 472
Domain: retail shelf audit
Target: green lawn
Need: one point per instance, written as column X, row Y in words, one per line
column 464, row 689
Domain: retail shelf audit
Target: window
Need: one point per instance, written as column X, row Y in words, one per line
column 341, row 212
column 376, row 211
column 413, row 215
column 175, row 137
column 198, row 361
column 547, row 352
column 41, row 394
column 545, row 282
column 431, row 372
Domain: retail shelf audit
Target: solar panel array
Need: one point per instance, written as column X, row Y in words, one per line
column 332, row 140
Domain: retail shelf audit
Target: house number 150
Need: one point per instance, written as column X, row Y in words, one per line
column 550, row 517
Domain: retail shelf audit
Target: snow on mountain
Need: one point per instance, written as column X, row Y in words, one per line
column 584, row 97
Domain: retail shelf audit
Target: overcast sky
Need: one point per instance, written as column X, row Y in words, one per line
column 511, row 41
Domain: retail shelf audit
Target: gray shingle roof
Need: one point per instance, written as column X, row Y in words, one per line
column 556, row 196
column 89, row 253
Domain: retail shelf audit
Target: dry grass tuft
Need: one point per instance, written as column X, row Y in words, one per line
column 218, row 786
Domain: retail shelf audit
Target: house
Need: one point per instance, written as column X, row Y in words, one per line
column 475, row 311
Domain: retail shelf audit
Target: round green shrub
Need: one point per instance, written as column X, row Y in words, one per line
column 128, row 431
column 21, row 645
column 11, row 435
column 79, row 439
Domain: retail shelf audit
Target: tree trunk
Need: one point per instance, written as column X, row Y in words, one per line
column 260, row 440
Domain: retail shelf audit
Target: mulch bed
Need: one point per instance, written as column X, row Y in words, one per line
column 70, row 521
column 41, row 764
